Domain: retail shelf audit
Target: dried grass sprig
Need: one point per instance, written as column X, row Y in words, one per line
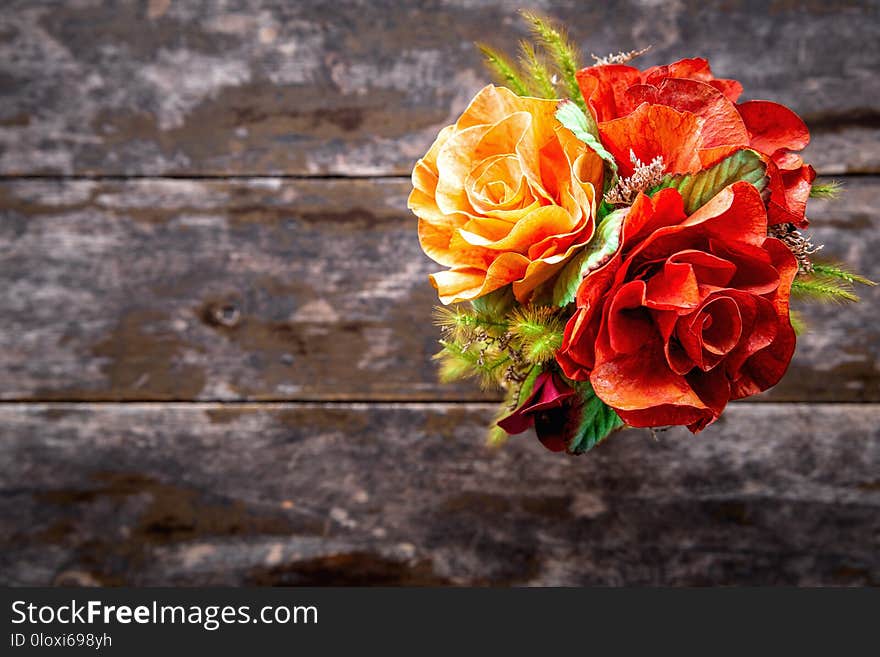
column 644, row 177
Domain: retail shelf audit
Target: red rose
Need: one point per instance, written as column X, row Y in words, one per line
column 551, row 409
column 685, row 98
column 689, row 313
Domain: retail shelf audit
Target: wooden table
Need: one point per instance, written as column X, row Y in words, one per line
column 215, row 331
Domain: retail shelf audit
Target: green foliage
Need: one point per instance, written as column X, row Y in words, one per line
column 516, row 396
column 497, row 436
column 797, row 322
column 504, row 70
column 596, row 253
column 540, row 79
column 499, row 349
column 495, row 305
column 479, row 360
column 536, row 77
column 833, row 270
column 527, row 387
column 592, row 420
column 538, row 331
column 829, row 190
column 822, row 288
column 583, row 125
column 462, row 324
column 698, row 188
column 828, row 282
column 598, row 421
column 561, row 50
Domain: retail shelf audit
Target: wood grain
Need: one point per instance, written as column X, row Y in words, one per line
column 205, row 202
column 290, row 289
column 272, row 87
column 172, row 494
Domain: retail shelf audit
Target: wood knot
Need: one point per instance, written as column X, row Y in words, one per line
column 221, row 313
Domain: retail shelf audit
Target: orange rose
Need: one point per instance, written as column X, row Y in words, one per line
column 506, row 195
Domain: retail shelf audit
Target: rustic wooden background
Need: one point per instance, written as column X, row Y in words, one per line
column 214, row 326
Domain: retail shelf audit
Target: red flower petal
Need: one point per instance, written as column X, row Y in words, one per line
column 722, row 122
column 664, row 415
column 754, row 271
column 724, row 329
column 766, row 367
column 553, row 430
column 773, row 127
column 653, row 130
column 695, row 68
column 516, row 422
column 759, row 321
column 709, row 269
column 711, row 332
column 578, row 356
column 644, row 391
column 713, row 388
column 675, row 287
column 731, row 89
column 549, row 392
column 797, row 184
column 736, row 213
column 789, row 192
column 604, row 88
column 629, row 322
column 650, row 213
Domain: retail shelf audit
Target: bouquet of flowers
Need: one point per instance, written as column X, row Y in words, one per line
column 624, row 255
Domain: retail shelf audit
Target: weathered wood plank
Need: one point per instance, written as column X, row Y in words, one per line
column 269, row 87
column 281, row 289
column 407, row 494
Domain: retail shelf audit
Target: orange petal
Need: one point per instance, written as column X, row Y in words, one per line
column 490, row 105
column 532, row 228
column 454, row 164
column 457, row 285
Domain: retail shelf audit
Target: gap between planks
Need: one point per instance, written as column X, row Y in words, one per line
column 353, row 403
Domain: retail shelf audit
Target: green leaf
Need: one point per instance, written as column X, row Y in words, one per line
column 504, row 71
column 495, row 305
column 698, row 188
column 528, row 386
column 598, row 421
column 583, row 125
column 594, row 255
